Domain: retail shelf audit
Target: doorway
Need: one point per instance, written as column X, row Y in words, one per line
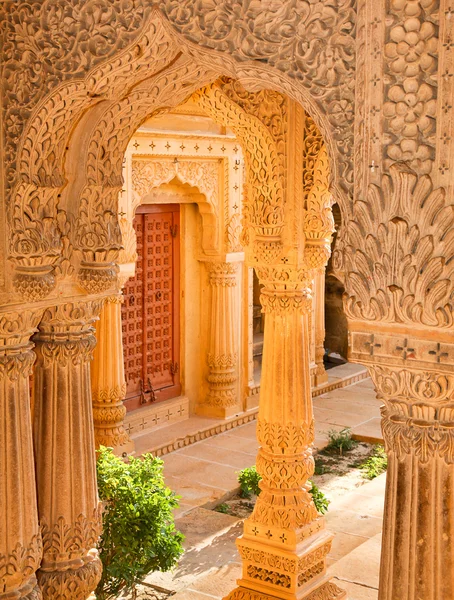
column 150, row 312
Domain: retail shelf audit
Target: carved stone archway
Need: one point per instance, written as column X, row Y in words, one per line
column 38, row 174
column 67, row 64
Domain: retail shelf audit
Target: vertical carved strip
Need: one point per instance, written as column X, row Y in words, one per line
column 20, row 540
column 108, row 380
column 68, row 506
column 222, row 399
column 321, row 376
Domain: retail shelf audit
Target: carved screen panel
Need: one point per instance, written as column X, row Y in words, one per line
column 151, row 309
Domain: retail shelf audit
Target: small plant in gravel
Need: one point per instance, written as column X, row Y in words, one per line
column 376, row 464
column 320, row 500
column 320, row 466
column 340, row 441
column 139, row 534
column 223, row 508
column 249, row 482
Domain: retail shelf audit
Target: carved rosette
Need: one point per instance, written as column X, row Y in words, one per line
column 222, row 359
column 20, row 539
column 275, row 560
column 108, row 380
column 65, row 453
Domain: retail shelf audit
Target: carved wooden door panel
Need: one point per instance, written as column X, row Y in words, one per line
column 151, row 309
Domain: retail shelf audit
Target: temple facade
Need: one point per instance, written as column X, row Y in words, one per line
column 160, row 157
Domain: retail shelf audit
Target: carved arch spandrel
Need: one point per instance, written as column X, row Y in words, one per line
column 263, row 206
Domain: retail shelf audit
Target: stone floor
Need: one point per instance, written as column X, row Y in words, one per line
column 210, row 566
column 204, row 474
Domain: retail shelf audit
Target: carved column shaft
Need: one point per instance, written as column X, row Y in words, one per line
column 20, row 540
column 417, row 558
column 321, row 376
column 68, row 506
column 222, row 400
column 108, row 380
column 284, row 545
column 413, row 376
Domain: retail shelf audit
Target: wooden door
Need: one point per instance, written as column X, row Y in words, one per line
column 150, row 313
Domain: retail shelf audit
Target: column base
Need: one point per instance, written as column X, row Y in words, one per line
column 321, row 378
column 72, row 584
column 326, row 591
column 29, row 591
column 289, row 564
column 217, row 412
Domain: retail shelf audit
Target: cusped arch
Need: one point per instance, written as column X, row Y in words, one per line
column 202, row 177
column 152, row 44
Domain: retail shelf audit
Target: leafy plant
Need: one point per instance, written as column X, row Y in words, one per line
column 249, row 482
column 139, row 533
column 376, row 464
column 340, row 441
column 320, row 500
column 222, row 508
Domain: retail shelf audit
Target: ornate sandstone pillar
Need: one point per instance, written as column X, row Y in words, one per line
column 321, row 376
column 108, row 380
column 222, row 399
column 285, row 543
column 68, row 507
column 20, row 540
column 400, row 314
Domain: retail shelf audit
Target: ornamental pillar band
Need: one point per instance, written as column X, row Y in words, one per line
column 222, row 398
column 285, row 543
column 20, row 539
column 68, row 507
column 108, row 380
column 321, row 376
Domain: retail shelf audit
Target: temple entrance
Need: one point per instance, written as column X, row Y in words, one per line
column 150, row 313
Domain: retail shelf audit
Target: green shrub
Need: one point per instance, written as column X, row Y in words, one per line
column 139, row 533
column 223, row 508
column 340, row 441
column 249, row 482
column 320, row 500
column 376, row 464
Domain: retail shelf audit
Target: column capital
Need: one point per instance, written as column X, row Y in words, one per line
column 282, row 302
column 16, row 328
column 70, row 318
column 222, row 273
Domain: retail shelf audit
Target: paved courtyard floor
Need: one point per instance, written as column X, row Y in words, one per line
column 205, row 474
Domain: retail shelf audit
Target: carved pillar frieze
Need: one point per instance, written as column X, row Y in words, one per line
column 108, row 380
column 285, row 543
column 413, row 373
column 20, row 539
column 68, row 507
column 321, row 376
column 222, row 398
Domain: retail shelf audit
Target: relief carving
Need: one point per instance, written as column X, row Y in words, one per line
column 395, row 258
